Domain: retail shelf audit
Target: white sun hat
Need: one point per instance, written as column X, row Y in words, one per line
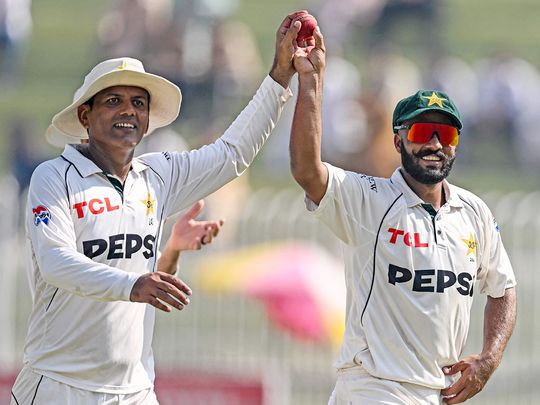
column 165, row 97
column 58, row 138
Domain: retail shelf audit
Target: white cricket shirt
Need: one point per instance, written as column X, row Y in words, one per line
column 89, row 243
column 410, row 277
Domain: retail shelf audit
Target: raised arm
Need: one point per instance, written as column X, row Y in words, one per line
column 200, row 172
column 306, row 132
column 499, row 321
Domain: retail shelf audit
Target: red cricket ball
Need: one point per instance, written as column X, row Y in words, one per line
column 308, row 25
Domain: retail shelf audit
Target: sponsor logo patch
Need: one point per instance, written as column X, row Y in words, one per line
column 371, row 181
column 95, row 206
column 120, row 246
column 41, row 214
column 432, row 280
column 411, row 239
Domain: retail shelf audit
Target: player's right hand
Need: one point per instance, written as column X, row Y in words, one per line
column 159, row 289
column 283, row 68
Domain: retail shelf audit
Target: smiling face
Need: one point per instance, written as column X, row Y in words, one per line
column 117, row 117
column 430, row 162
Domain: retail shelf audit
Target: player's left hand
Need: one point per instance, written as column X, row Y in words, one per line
column 475, row 372
column 190, row 234
column 312, row 58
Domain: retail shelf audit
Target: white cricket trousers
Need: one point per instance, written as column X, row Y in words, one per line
column 31, row 388
column 355, row 386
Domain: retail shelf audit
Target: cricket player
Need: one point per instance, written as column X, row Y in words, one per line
column 95, row 216
column 187, row 232
column 417, row 249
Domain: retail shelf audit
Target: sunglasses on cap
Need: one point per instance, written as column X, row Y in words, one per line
column 422, row 132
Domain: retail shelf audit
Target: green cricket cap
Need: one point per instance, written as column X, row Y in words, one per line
column 423, row 101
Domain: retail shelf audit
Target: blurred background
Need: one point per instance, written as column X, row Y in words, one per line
column 266, row 318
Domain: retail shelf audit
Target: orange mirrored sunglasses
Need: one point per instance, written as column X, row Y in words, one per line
column 422, row 132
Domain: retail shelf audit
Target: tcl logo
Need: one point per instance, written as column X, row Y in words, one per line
column 96, row 206
column 409, row 238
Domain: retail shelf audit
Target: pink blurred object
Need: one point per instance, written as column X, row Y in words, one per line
column 300, row 285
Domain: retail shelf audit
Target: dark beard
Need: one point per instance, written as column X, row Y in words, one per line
column 426, row 176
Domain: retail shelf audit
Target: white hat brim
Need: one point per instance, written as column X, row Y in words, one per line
column 165, row 100
column 59, row 139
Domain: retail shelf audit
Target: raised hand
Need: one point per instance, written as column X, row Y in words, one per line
column 286, row 45
column 311, row 58
column 187, row 234
column 190, row 234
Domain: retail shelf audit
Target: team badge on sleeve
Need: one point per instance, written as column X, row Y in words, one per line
column 41, row 214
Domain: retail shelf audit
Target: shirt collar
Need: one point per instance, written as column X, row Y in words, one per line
column 86, row 167
column 137, row 165
column 412, row 198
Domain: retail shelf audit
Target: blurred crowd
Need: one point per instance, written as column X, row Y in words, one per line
column 15, row 32
column 379, row 51
column 197, row 44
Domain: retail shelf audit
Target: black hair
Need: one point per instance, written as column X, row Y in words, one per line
column 90, row 102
